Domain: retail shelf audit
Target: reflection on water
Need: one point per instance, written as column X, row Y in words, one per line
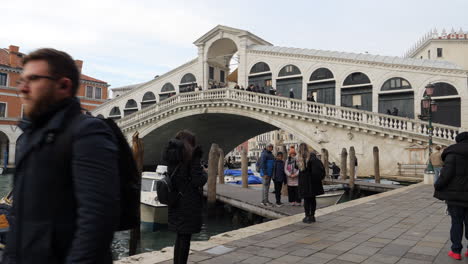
column 223, row 221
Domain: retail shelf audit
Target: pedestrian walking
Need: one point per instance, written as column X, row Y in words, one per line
column 437, row 163
column 267, row 161
column 279, row 177
column 452, row 187
column 395, row 111
column 66, row 205
column 291, row 93
column 292, row 172
column 183, row 158
column 335, row 170
column 311, row 174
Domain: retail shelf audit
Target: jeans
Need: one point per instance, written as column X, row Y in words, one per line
column 182, row 248
column 266, row 188
column 293, row 194
column 310, row 205
column 437, row 173
column 278, row 187
column 459, row 216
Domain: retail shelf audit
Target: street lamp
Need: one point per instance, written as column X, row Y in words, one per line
column 430, row 107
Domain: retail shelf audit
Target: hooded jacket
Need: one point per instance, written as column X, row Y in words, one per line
column 452, row 185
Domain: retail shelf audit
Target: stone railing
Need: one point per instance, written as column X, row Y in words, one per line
column 318, row 110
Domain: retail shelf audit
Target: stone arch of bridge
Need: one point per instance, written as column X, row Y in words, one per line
column 228, row 127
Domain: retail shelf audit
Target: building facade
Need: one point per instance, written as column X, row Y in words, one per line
column 92, row 93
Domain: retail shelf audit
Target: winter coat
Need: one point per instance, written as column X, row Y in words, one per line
column 452, row 185
column 64, row 212
column 266, row 163
column 291, row 168
column 278, row 172
column 310, row 179
column 186, row 216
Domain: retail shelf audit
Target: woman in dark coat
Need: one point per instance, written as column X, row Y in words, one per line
column 185, row 218
column 311, row 174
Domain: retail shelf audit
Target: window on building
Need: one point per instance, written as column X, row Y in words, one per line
column 439, row 53
column 3, row 79
column 211, row 72
column 357, row 100
column 268, row 83
column 2, row 109
column 429, row 54
column 89, row 91
column 98, row 93
column 221, row 76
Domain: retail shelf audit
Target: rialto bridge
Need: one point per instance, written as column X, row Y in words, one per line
column 353, row 93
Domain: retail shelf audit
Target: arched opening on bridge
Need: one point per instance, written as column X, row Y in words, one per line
column 148, row 99
column 261, row 75
column 396, row 97
column 130, row 107
column 322, row 86
column 167, row 91
column 289, row 79
column 219, row 58
column 448, row 105
column 356, row 92
column 4, row 149
column 188, row 83
column 115, row 113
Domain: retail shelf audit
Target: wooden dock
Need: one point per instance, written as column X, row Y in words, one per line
column 366, row 186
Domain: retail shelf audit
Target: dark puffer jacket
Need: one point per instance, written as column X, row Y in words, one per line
column 310, row 179
column 452, row 185
column 186, row 216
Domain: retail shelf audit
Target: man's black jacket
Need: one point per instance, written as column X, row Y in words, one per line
column 452, row 185
column 65, row 209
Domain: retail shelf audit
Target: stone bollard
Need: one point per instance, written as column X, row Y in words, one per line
column 212, row 171
column 376, row 165
column 325, row 162
column 244, row 166
column 344, row 157
column 221, row 166
column 352, row 167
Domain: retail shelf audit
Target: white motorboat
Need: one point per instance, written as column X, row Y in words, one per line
column 152, row 212
column 329, row 198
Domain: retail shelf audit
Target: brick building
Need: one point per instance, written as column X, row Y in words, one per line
column 92, row 93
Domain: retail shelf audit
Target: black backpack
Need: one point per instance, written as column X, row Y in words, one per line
column 130, row 180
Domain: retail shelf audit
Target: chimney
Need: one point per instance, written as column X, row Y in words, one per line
column 13, row 56
column 79, row 64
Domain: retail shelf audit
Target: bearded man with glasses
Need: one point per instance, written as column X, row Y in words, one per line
column 65, row 205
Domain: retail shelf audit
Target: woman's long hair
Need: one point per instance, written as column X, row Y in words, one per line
column 303, row 156
column 188, row 138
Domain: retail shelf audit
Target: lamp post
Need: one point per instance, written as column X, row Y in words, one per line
column 430, row 107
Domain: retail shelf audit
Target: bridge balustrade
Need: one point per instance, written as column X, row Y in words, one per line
column 271, row 102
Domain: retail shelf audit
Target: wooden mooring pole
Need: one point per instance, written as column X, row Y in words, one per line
column 221, row 166
column 244, row 168
column 352, row 167
column 376, row 165
column 213, row 157
column 325, row 162
column 344, row 157
column 138, row 152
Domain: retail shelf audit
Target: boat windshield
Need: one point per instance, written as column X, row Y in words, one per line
column 146, row 185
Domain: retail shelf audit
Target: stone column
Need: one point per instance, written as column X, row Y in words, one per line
column 11, row 153
column 221, row 166
column 376, row 165
column 344, row 157
column 212, row 171
column 244, row 166
column 352, row 167
column 325, row 162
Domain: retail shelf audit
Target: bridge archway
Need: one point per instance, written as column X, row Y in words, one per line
column 167, row 91
column 130, row 107
column 356, row 91
column 148, row 99
column 289, row 78
column 4, row 149
column 260, row 74
column 322, row 86
column 218, row 60
column 448, row 104
column 187, row 83
column 397, row 93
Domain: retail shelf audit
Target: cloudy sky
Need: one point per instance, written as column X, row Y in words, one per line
column 129, row 41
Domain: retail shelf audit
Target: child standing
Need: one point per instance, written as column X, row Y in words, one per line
column 292, row 171
column 279, row 177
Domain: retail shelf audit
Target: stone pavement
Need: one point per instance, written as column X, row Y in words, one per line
column 405, row 227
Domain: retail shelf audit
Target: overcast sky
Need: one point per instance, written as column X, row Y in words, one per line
column 129, row 41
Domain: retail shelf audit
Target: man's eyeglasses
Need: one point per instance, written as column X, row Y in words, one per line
column 23, row 81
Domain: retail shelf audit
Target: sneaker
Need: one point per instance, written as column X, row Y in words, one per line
column 306, row 220
column 279, row 204
column 454, row 255
column 264, row 204
column 312, row 219
column 270, row 204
